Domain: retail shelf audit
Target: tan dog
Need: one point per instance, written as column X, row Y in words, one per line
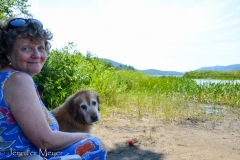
column 79, row 112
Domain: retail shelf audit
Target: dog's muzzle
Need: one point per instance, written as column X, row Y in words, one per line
column 94, row 118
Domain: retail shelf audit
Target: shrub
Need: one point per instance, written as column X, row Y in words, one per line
column 67, row 70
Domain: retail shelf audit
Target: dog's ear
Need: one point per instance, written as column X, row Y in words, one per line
column 71, row 107
column 98, row 100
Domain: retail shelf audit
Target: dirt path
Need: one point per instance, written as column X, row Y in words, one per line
column 155, row 140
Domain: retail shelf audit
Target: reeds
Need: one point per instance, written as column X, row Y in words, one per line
column 129, row 93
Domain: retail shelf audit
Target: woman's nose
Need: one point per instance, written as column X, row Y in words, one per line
column 36, row 53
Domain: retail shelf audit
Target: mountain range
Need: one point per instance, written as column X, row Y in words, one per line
column 175, row 73
column 233, row 67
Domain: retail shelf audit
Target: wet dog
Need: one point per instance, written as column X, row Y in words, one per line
column 78, row 112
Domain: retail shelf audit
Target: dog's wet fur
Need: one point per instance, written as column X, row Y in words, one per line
column 78, row 112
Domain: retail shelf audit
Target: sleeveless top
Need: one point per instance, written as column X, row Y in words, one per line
column 11, row 137
column 13, row 143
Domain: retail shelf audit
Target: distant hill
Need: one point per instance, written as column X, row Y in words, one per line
column 147, row 71
column 116, row 64
column 233, row 67
column 163, row 73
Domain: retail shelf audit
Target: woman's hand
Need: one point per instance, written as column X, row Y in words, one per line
column 83, row 136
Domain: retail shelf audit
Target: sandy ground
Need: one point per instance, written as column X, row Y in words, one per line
column 155, row 140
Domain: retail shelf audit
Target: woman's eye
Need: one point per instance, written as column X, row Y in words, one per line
column 26, row 49
column 41, row 48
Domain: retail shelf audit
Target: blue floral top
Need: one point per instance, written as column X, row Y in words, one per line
column 13, row 143
column 11, row 137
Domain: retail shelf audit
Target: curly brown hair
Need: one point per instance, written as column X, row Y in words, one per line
column 30, row 29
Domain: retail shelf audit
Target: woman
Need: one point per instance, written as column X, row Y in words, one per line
column 27, row 126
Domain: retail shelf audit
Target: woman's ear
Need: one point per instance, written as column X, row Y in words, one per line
column 8, row 57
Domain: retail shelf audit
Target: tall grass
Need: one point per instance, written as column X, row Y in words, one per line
column 208, row 74
column 128, row 93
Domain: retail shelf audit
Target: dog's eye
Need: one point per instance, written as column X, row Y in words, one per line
column 94, row 103
column 83, row 106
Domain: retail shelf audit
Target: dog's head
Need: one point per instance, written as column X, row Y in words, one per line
column 84, row 106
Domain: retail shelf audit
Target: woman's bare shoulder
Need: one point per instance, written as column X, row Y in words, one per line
column 20, row 78
column 18, row 86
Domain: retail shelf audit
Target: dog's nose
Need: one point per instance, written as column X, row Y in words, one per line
column 94, row 118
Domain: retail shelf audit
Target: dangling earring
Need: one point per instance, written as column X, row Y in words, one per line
column 10, row 63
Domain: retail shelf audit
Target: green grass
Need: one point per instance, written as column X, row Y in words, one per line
column 130, row 94
column 135, row 106
column 208, row 74
column 172, row 99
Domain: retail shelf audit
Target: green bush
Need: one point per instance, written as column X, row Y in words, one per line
column 67, row 70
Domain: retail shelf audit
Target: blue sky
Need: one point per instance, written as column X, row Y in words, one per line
column 171, row 35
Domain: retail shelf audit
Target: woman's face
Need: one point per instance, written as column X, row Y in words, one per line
column 28, row 56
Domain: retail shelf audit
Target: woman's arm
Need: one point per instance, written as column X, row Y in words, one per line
column 20, row 95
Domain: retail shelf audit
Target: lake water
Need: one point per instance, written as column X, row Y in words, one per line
column 201, row 81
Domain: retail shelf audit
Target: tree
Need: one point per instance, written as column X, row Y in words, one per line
column 9, row 8
column 127, row 67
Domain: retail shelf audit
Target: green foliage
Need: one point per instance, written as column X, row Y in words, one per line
column 223, row 75
column 58, row 78
column 227, row 93
column 126, row 67
column 67, row 70
column 131, row 79
column 128, row 92
column 8, row 8
column 183, row 88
